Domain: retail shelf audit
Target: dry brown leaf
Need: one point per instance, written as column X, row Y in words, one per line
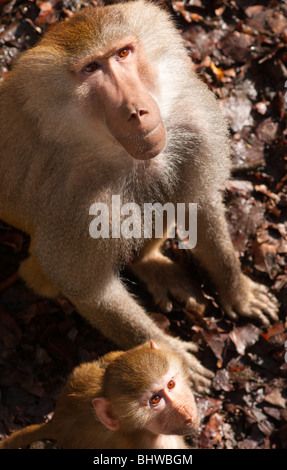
column 244, row 337
column 219, row 75
column 275, row 398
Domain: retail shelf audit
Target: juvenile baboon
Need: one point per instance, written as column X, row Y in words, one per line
column 138, row 399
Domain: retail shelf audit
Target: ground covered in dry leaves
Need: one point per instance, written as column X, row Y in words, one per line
column 239, row 49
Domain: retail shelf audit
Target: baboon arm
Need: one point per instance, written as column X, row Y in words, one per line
column 116, row 313
column 239, row 295
column 214, row 248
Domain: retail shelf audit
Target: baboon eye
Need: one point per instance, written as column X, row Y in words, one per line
column 123, row 53
column 90, row 67
column 171, row 384
column 155, row 399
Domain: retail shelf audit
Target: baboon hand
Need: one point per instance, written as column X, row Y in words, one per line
column 252, row 300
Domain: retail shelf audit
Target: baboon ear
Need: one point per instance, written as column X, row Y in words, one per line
column 104, row 412
column 153, row 345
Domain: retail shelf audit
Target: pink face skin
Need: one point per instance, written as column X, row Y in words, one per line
column 173, row 406
column 121, row 86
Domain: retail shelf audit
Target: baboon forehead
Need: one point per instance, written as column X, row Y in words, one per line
column 139, row 369
column 91, row 28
